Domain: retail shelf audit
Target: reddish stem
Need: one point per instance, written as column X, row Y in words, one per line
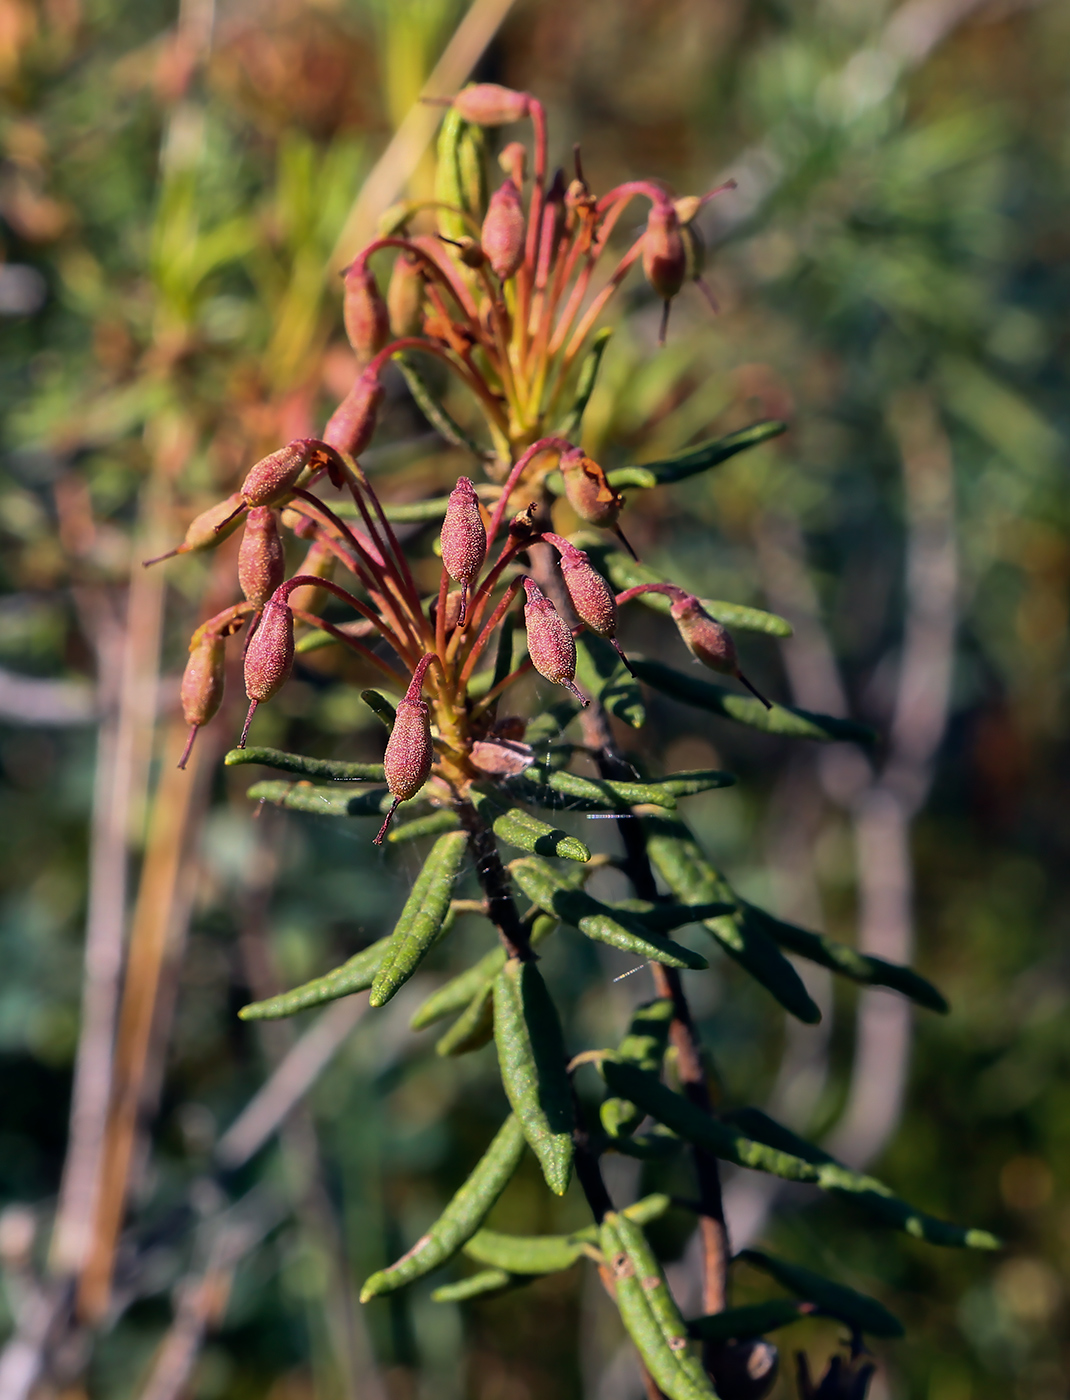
column 484, row 636
column 546, row 444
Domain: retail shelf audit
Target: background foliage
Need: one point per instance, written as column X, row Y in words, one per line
column 896, row 255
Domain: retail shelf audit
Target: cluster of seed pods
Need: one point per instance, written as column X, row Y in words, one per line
column 505, row 306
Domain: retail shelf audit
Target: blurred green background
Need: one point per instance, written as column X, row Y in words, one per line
column 893, row 278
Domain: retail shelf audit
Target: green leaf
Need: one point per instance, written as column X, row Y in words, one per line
column 473, row 1028
column 658, row 1145
column 549, row 1254
column 422, row 919
column 712, row 453
column 625, row 572
column 545, row 888
column 745, row 709
column 434, row 824
column 856, row 1309
column 334, row 770
column 549, row 723
column 441, row 420
column 848, row 962
column 570, row 424
column 488, row 1281
column 531, row 1058
column 680, row 862
column 323, row 802
column 356, row 975
column 643, row 1046
column 604, row 676
column 783, row 1158
column 381, row 706
column 518, row 828
column 555, row 790
column 461, row 1218
column 664, row 918
column 649, row 1313
column 459, row 991
column 740, row 1324
column 692, row 781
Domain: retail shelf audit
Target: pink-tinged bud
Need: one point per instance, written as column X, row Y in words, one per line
column 469, row 249
column 364, row 311
column 405, row 297
column 505, row 758
column 208, row 529
column 551, row 645
column 504, row 230
column 202, row 684
column 664, row 258
column 409, row 750
column 592, row 597
column 588, row 490
column 488, row 104
column 261, row 558
column 513, row 159
column 464, row 538
column 709, row 641
column 275, row 476
column 352, row 424
column 269, row 657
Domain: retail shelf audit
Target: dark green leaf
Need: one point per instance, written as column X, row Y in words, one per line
column 442, row 421
column 556, row 790
column 356, row 975
column 644, row 1046
column 518, row 828
column 856, row 1309
column 740, row 1324
column 334, row 770
column 487, row 1281
column 423, row 917
column 434, row 824
column 549, row 723
column 380, row 705
column 604, row 676
column 569, row 425
column 323, row 802
column 712, row 453
column 549, row 1254
column 456, row 994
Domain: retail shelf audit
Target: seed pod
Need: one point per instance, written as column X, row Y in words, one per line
column 588, row 490
column 352, row 424
column 513, row 159
column 464, row 539
column 202, row 685
column 409, row 751
column 461, row 1218
column 708, row 641
column 503, row 231
column 261, row 558
column 274, row 476
column 591, row 595
column 489, row 104
column 405, row 296
column 364, row 311
column 208, row 529
column 664, row 257
column 469, row 249
column 551, row 645
column 531, row 1058
column 269, row 657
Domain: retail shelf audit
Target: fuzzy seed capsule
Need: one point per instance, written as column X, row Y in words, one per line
column 201, row 692
column 409, row 750
column 489, row 104
column 275, row 476
column 464, row 538
column 261, row 558
column 364, row 311
column 664, row 256
column 208, row 529
column 405, row 297
column 551, row 645
column 588, row 490
column 503, row 231
column 269, row 657
column 706, row 639
column 591, row 595
column 352, row 424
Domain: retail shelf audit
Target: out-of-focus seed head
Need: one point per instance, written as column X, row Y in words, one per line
column 687, row 207
column 464, row 538
column 352, row 424
column 704, row 637
column 503, row 231
column 745, row 1370
column 664, row 256
column 298, row 523
column 489, row 104
column 592, row 597
column 364, row 311
column 319, row 563
column 275, row 476
column 269, row 656
column 261, row 557
column 550, row 642
column 513, row 159
column 201, row 692
column 469, row 250
column 405, row 296
column 588, row 490
column 208, row 529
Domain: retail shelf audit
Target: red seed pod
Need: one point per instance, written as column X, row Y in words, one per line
column 550, row 642
column 405, row 297
column 488, row 104
column 275, row 476
column 352, row 424
column 364, row 311
column 664, row 256
column 592, row 597
column 588, row 490
column 504, row 230
column 208, row 529
column 201, row 692
column 269, row 656
column 464, row 538
column 409, row 750
column 709, row 641
column 261, row 558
